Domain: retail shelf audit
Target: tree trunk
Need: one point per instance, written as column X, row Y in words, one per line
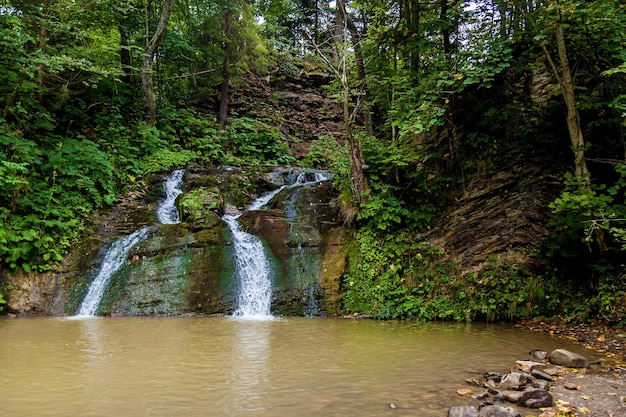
column 338, row 35
column 223, row 111
column 125, row 56
column 413, row 25
column 360, row 70
column 573, row 124
column 149, row 96
column 445, row 29
column 360, row 185
column 573, row 118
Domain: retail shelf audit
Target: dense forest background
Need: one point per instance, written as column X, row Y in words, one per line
column 430, row 94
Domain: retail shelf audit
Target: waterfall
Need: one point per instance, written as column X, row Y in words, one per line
column 253, row 270
column 251, row 262
column 166, row 211
column 117, row 254
column 113, row 260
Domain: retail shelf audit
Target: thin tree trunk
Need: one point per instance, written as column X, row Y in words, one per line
column 125, row 56
column 413, row 25
column 445, row 31
column 42, row 45
column 223, row 111
column 337, row 35
column 360, row 70
column 573, row 118
column 148, row 61
column 360, row 185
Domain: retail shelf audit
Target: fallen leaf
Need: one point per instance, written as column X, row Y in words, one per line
column 584, row 410
column 601, row 338
column 586, row 397
column 464, row 392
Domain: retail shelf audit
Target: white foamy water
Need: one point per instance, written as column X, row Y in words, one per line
column 166, row 211
column 113, row 260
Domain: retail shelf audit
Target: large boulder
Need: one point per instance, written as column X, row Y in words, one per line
column 536, row 399
column 564, row 357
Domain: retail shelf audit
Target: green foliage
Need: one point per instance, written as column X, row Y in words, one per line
column 197, row 203
column 391, row 205
column 192, row 132
column 393, row 277
column 587, row 246
column 252, row 142
column 396, row 276
column 585, row 212
column 166, row 160
column 503, row 292
column 324, row 153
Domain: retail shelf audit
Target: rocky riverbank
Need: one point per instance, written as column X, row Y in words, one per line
column 558, row 384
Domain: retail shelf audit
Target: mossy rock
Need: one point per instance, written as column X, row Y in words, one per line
column 200, row 207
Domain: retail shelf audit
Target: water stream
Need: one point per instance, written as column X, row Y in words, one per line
column 166, row 211
column 117, row 254
column 251, row 262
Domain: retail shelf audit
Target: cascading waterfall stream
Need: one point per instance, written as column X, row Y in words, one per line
column 166, row 211
column 117, row 254
column 251, row 262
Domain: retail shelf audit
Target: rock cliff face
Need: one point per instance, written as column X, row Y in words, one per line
column 297, row 105
column 187, row 267
column 502, row 212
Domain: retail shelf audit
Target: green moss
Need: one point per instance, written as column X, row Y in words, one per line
column 149, row 286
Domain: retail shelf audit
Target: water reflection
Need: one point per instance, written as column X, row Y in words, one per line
column 250, row 354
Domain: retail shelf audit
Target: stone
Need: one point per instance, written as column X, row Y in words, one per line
column 497, row 411
column 541, row 375
column 490, row 384
column 463, row 411
column 540, row 384
column 513, row 381
column 536, row 399
column 552, row 370
column 568, row 359
column 538, row 355
column 571, row 387
column 511, row 396
column 492, row 376
column 481, row 396
column 528, row 366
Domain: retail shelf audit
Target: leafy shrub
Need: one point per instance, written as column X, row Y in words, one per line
column 251, row 142
column 166, row 160
column 396, row 276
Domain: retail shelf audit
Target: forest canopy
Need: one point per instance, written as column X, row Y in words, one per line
column 95, row 95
